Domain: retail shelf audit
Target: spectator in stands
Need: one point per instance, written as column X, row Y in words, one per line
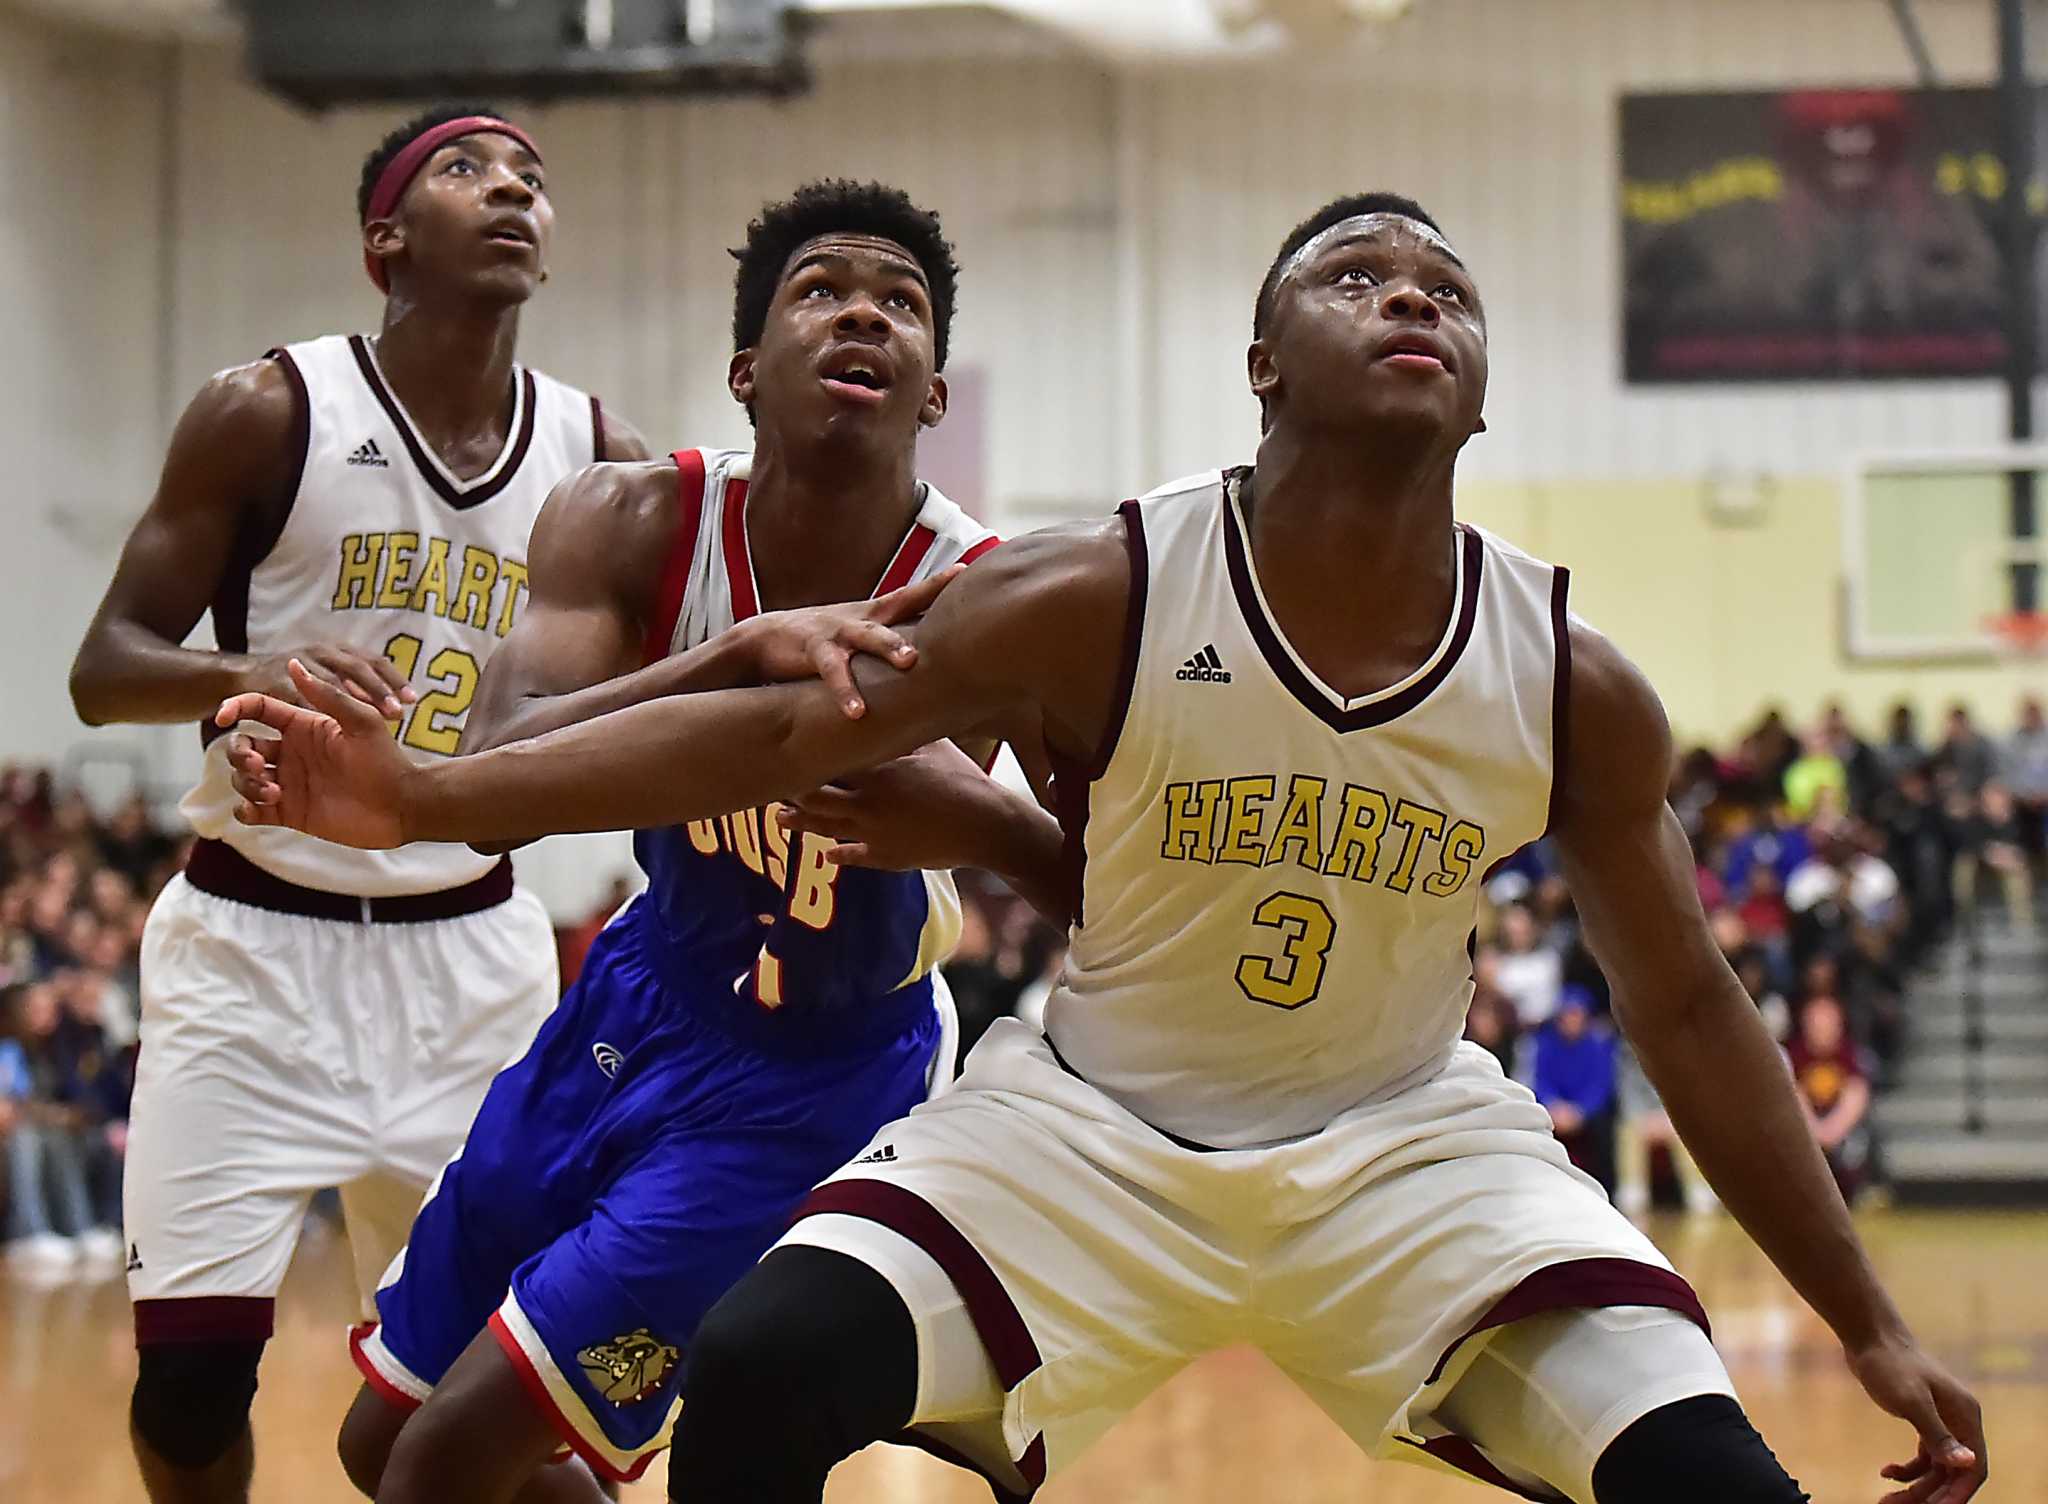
column 50, row 1201
column 2023, row 769
column 1754, row 972
column 981, row 995
column 1528, row 974
column 1901, row 747
column 1836, row 1090
column 1763, row 912
column 1965, row 757
column 1490, row 1022
column 1990, row 841
column 1917, row 844
column 1816, row 769
column 1573, row 1077
column 1641, row 1127
column 1859, row 760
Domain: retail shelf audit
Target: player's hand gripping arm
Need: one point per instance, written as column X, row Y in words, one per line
column 1722, row 1078
column 595, row 568
column 1035, row 626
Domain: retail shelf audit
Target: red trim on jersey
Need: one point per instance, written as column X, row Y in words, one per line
column 1561, row 690
column 537, row 1390
column 739, row 556
column 1584, row 1284
column 205, row 1318
column 596, row 431
column 909, row 554
column 682, row 550
column 387, row 1391
column 979, row 549
column 996, row 1318
column 966, row 1464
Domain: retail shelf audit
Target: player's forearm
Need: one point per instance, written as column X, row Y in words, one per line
column 1727, row 1092
column 663, row 762
column 721, row 663
column 127, row 673
column 1027, row 850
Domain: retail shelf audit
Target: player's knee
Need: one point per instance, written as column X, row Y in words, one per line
column 811, row 1356
column 368, row 1433
column 1701, row 1450
column 191, row 1400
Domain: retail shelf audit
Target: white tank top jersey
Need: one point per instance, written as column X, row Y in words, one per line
column 386, row 551
column 1280, row 884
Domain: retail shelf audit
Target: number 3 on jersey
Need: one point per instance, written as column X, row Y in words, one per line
column 1295, row 976
column 457, row 675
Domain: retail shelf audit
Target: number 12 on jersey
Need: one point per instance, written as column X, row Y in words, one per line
column 1294, row 977
column 456, row 673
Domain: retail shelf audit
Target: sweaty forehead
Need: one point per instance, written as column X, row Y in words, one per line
column 851, row 246
column 1382, row 226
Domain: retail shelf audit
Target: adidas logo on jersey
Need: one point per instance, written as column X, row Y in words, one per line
column 886, row 1155
column 1205, row 668
column 367, row 453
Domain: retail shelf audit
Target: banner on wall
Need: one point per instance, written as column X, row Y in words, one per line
column 1823, row 234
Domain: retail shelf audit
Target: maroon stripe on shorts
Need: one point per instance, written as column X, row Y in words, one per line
column 995, row 1316
column 1467, row 1458
column 1581, row 1284
column 217, row 868
column 205, row 1318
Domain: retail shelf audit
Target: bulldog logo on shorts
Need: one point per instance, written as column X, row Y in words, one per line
column 627, row 1369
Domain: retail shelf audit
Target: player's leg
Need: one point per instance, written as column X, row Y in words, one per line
column 1616, row 1405
column 479, row 1439
column 235, row 1121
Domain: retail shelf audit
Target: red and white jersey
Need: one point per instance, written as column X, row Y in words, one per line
column 710, row 581
column 1281, row 883
column 385, row 550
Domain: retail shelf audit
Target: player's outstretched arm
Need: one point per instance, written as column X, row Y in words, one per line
column 1033, row 626
column 226, row 482
column 1722, row 1078
column 595, row 566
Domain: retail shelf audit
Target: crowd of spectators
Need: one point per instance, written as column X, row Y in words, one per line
column 74, row 890
column 1829, row 866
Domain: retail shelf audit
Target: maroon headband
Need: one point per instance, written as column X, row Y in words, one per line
column 399, row 172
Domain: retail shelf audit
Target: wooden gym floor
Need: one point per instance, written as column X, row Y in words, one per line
column 1229, row 1430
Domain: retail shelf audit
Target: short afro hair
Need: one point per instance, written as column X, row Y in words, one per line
column 1334, row 212
column 379, row 159
column 839, row 206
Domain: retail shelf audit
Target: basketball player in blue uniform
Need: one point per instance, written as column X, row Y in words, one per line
column 741, row 1028
column 1250, row 1117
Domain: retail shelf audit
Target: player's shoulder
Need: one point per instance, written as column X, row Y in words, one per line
column 1204, row 487
column 956, row 534
column 613, row 505
column 261, row 399
column 1073, row 562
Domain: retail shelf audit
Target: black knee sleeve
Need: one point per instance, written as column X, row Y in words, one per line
column 192, row 1398
column 802, row 1363
column 1701, row 1450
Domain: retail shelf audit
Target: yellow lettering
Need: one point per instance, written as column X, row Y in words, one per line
column 768, row 979
column 513, row 573
column 396, row 591
column 1244, row 809
column 360, row 555
column 1190, row 820
column 1462, row 847
column 1301, row 824
column 473, row 595
column 777, row 842
column 703, row 836
column 815, row 894
column 746, row 840
column 1356, row 851
column 1419, row 824
column 433, row 579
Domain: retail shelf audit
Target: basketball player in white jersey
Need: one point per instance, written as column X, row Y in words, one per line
column 1299, row 711
column 312, row 1015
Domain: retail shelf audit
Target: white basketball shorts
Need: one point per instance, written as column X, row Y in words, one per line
column 282, row 1054
column 1373, row 1261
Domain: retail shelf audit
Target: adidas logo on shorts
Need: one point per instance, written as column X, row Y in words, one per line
column 367, row 453
column 1205, row 668
column 886, row 1155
